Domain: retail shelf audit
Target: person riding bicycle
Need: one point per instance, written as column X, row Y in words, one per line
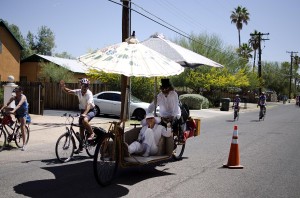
column 149, row 136
column 168, row 103
column 262, row 102
column 20, row 110
column 236, row 102
column 86, row 106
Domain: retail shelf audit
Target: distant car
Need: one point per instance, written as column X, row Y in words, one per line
column 109, row 102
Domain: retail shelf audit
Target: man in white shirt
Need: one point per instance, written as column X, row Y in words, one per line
column 167, row 100
column 149, row 136
column 86, row 106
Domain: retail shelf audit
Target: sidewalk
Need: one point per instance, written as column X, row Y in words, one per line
column 55, row 116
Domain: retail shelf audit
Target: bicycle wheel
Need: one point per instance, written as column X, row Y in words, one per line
column 2, row 139
column 178, row 148
column 106, row 161
column 90, row 148
column 264, row 115
column 235, row 115
column 64, row 148
column 19, row 136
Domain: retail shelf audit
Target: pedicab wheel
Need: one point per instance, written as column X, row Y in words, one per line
column 2, row 140
column 64, row 148
column 106, row 161
column 178, row 148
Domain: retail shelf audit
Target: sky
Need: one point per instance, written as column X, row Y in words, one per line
column 80, row 26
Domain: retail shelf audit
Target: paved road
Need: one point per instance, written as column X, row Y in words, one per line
column 269, row 152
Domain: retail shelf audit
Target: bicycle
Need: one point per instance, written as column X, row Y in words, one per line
column 11, row 131
column 262, row 113
column 65, row 144
column 236, row 113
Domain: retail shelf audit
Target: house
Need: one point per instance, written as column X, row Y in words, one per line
column 10, row 54
column 31, row 67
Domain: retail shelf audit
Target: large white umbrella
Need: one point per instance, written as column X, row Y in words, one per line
column 131, row 59
column 181, row 55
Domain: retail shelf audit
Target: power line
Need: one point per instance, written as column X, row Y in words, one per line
column 185, row 36
column 159, row 18
column 259, row 34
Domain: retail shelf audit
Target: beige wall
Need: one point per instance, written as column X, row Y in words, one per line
column 9, row 56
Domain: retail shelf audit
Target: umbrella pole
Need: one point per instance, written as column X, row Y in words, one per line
column 155, row 97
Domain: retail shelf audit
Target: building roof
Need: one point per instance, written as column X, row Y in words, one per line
column 70, row 64
column 5, row 26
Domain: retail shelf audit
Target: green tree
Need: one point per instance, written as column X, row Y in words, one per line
column 245, row 51
column 44, row 41
column 53, row 73
column 254, row 42
column 64, row 55
column 18, row 35
column 239, row 16
column 142, row 88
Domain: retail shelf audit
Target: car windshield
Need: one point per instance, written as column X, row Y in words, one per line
column 134, row 99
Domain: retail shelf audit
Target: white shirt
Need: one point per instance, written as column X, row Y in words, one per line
column 158, row 131
column 85, row 99
column 168, row 106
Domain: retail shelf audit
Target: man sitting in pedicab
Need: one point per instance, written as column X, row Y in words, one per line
column 149, row 136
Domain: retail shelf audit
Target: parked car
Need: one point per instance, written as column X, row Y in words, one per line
column 109, row 102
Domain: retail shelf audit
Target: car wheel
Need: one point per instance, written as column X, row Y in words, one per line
column 139, row 114
column 97, row 110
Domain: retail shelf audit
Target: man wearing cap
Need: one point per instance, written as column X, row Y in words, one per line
column 236, row 102
column 167, row 100
column 149, row 136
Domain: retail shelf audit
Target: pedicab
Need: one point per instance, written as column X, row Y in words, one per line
column 111, row 153
column 131, row 58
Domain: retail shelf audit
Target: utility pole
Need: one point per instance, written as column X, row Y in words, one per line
column 259, row 34
column 125, row 79
column 291, row 73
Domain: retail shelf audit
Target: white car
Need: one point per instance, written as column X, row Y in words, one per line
column 109, row 102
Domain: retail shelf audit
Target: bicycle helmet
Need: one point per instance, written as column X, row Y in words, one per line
column 84, row 81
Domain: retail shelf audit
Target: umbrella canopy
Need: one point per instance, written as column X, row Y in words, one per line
column 181, row 55
column 131, row 59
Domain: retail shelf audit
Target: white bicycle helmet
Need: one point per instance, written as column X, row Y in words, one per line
column 84, row 81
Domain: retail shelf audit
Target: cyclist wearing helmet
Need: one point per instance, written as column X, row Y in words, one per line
column 236, row 102
column 262, row 101
column 86, row 106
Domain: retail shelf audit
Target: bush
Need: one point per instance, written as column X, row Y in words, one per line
column 194, row 101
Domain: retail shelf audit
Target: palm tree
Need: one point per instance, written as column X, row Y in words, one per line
column 239, row 16
column 245, row 51
column 254, row 42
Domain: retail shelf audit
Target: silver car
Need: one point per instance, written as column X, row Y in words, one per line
column 109, row 102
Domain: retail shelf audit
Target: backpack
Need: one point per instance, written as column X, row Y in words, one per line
column 185, row 112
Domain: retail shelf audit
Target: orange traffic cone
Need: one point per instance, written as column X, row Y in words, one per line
column 234, row 154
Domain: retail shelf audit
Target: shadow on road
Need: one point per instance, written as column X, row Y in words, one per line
column 77, row 180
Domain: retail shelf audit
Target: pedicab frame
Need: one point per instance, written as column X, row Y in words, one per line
column 111, row 150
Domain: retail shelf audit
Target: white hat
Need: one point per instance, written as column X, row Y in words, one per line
column 149, row 115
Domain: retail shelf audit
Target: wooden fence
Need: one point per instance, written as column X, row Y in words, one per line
column 42, row 96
